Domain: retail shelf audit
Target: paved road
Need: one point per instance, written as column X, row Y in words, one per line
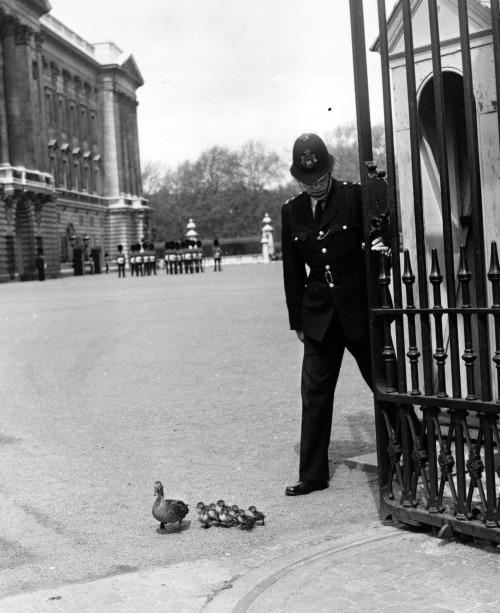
column 110, row 384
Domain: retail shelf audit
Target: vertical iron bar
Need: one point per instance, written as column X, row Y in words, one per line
column 417, row 195
column 489, row 422
column 494, row 277
column 445, row 195
column 469, row 357
column 388, row 352
column 431, row 419
column 407, row 445
column 365, row 150
column 476, row 199
column 365, row 153
column 436, row 278
column 458, row 420
column 413, row 352
column 391, row 190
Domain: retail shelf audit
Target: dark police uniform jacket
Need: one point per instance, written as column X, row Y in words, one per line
column 334, row 280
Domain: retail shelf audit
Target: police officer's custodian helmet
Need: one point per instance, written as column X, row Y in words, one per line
column 311, row 160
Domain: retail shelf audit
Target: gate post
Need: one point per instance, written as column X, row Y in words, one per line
column 365, row 151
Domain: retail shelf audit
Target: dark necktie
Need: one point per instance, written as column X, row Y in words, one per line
column 318, row 212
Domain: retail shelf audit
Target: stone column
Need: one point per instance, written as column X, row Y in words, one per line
column 27, row 74
column 12, row 101
column 137, row 158
column 110, row 176
column 4, row 139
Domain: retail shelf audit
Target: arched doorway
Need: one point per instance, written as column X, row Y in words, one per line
column 458, row 168
column 459, row 185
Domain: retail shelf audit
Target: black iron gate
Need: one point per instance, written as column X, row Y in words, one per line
column 432, row 329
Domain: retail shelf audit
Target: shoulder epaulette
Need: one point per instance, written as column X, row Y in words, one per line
column 294, row 197
column 350, row 183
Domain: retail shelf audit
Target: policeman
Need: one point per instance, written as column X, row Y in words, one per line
column 328, row 308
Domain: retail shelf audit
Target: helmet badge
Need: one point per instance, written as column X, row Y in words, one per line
column 308, row 160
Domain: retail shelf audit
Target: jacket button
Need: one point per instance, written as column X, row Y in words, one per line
column 344, row 227
column 323, row 250
column 327, row 267
column 296, row 238
column 331, row 284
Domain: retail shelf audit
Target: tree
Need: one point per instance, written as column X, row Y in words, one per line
column 152, row 177
column 226, row 192
column 343, row 143
column 259, row 169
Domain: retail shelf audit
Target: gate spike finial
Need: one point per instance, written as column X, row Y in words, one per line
column 494, row 272
column 408, row 276
column 435, row 276
column 494, row 275
column 464, row 274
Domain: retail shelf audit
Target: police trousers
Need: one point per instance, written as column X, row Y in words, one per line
column 320, row 372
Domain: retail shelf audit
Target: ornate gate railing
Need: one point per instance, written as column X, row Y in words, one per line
column 437, row 381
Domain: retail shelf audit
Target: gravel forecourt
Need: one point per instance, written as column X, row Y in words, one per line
column 111, row 384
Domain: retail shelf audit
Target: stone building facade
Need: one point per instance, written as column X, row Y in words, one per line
column 70, row 177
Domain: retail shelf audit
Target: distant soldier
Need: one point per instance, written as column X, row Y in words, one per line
column 152, row 259
column 199, row 248
column 217, row 255
column 139, row 260
column 145, row 258
column 166, row 257
column 132, row 260
column 188, row 257
column 120, row 260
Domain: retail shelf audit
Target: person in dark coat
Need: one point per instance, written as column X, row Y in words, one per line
column 327, row 307
column 40, row 265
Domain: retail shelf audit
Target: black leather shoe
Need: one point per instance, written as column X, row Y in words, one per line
column 305, row 487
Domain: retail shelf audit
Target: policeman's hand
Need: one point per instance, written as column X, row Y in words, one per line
column 300, row 335
column 378, row 245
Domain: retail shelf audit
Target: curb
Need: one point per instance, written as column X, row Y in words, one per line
column 250, row 586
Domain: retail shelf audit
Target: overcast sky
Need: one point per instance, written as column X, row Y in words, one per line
column 222, row 72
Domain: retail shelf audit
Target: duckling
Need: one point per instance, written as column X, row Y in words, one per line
column 255, row 515
column 244, row 521
column 205, row 518
column 233, row 511
column 168, row 511
column 212, row 513
column 220, row 506
column 226, row 519
column 199, row 507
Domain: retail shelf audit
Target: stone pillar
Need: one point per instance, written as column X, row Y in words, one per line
column 27, row 85
column 137, row 159
column 12, row 101
column 110, row 175
column 265, row 248
column 267, row 231
column 41, row 144
column 4, row 139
